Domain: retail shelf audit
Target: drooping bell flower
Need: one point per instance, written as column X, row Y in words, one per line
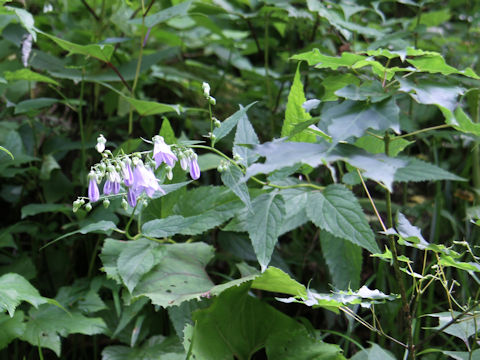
column 162, row 152
column 93, row 193
column 145, row 180
column 112, row 185
column 183, row 161
column 194, row 168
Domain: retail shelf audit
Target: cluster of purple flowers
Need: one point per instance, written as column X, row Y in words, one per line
column 135, row 175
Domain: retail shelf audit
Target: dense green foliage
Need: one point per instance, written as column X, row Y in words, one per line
column 336, row 212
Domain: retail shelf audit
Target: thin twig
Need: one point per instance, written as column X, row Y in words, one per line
column 90, row 10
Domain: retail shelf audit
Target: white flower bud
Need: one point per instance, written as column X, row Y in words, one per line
column 101, row 141
column 206, row 90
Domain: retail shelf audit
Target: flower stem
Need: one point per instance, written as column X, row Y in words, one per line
column 396, row 264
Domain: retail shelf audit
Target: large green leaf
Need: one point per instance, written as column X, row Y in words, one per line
column 264, row 223
column 221, row 333
column 14, row 289
column 427, row 92
column 196, row 211
column 344, row 261
column 136, row 259
column 29, row 75
column 100, row 51
column 337, row 211
column 295, row 113
column 351, row 118
column 180, row 276
column 46, row 324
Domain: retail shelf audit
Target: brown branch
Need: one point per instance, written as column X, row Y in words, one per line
column 119, row 75
column 90, row 10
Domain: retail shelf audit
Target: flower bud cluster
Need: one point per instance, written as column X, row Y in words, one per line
column 134, row 173
column 206, row 94
column 223, row 166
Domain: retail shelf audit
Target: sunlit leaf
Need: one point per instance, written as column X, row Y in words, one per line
column 295, row 113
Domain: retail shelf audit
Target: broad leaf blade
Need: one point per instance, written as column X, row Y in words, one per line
column 264, row 224
column 336, row 210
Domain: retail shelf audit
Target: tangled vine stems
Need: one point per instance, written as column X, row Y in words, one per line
column 396, row 264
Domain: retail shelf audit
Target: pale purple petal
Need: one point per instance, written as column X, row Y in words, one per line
column 131, row 197
column 127, row 174
column 93, row 193
column 116, row 187
column 163, row 153
column 107, row 188
column 194, row 169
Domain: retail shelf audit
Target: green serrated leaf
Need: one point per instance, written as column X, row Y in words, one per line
column 245, row 135
column 264, row 223
column 196, row 211
column 233, row 178
column 419, row 170
column 337, row 211
column 229, row 123
column 295, row 113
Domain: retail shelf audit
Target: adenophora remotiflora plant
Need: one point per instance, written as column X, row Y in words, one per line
column 135, row 173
